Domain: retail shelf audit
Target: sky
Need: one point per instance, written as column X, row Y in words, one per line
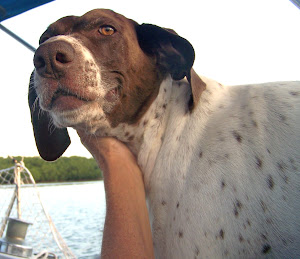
column 236, row 42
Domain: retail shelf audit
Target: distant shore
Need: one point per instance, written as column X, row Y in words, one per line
column 64, row 169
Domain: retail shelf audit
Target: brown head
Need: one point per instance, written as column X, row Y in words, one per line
column 98, row 70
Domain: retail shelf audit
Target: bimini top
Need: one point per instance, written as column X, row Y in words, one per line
column 10, row 8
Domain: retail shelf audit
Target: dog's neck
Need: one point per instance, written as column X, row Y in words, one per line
column 145, row 137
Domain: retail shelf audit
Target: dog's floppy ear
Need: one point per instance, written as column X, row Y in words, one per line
column 173, row 53
column 51, row 141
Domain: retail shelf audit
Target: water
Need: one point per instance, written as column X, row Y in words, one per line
column 78, row 211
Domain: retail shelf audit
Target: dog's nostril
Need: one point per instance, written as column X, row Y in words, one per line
column 39, row 62
column 62, row 58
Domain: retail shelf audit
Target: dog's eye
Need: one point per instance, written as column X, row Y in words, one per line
column 107, row 30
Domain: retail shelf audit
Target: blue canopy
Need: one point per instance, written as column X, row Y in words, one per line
column 296, row 2
column 10, row 8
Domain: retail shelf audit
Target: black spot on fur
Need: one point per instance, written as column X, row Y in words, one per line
column 254, row 123
column 266, row 249
column 263, row 205
column 180, row 234
column 270, row 182
column 239, row 204
column 201, row 154
column 190, row 104
column 223, row 185
column 282, row 117
column 281, row 166
column 164, row 106
column 221, row 234
column 285, row 179
column 145, row 122
column 197, row 252
column 177, row 205
column 235, row 212
column 156, row 115
column 294, row 93
column 241, row 238
column 264, row 237
column 163, row 203
column 237, row 207
column 258, row 162
column 237, row 136
column 126, row 134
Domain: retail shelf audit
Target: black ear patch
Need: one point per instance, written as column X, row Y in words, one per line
column 51, row 141
column 173, row 53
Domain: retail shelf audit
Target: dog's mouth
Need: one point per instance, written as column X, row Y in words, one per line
column 66, row 100
column 113, row 94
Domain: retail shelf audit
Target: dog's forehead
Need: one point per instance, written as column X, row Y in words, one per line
column 63, row 25
column 102, row 13
column 68, row 23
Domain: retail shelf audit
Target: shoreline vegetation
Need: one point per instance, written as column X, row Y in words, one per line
column 64, row 169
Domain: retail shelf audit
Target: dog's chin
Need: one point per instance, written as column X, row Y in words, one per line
column 88, row 117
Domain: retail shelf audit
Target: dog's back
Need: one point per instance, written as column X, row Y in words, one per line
column 226, row 182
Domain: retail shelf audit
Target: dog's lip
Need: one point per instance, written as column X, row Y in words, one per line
column 67, row 99
column 64, row 92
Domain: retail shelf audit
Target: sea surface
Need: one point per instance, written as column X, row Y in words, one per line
column 78, row 212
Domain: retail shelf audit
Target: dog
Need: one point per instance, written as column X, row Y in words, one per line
column 221, row 165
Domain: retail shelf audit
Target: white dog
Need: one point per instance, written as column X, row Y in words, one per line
column 221, row 164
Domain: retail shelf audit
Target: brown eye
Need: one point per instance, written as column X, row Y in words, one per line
column 107, row 30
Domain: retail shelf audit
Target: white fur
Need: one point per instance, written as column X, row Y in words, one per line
column 224, row 181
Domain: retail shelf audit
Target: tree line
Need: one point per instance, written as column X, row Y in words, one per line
column 63, row 169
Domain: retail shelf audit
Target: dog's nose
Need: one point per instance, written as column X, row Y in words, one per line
column 53, row 58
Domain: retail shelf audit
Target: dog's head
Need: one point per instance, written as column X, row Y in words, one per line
column 99, row 70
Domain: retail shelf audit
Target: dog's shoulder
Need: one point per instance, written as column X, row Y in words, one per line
column 232, row 166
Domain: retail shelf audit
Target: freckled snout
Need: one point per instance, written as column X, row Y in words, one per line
column 52, row 59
